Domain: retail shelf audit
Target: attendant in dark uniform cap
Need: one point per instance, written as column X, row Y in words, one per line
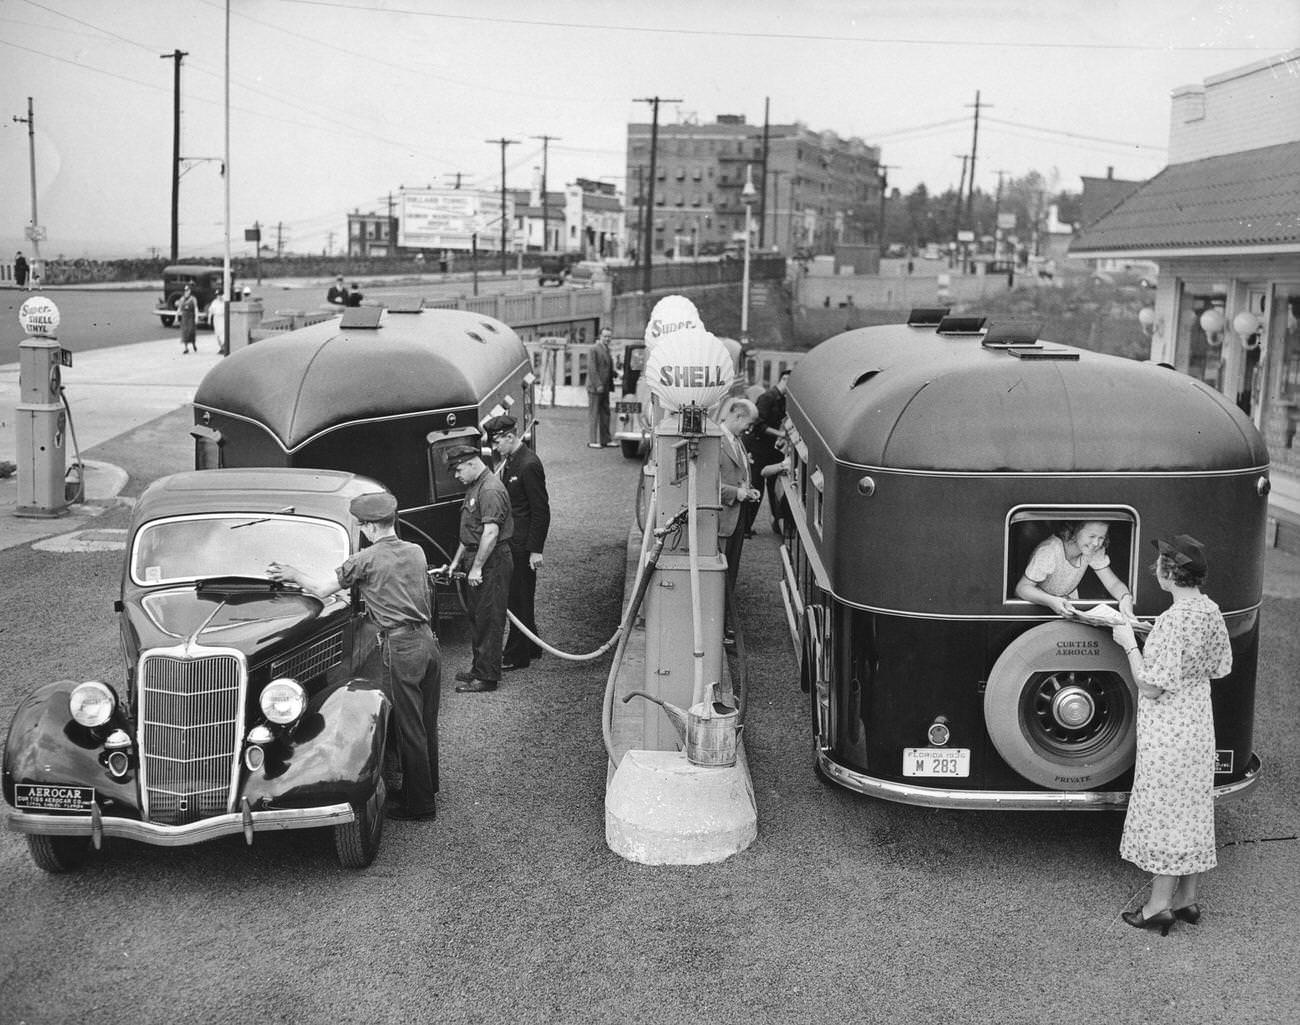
column 486, row 527
column 530, row 505
column 392, row 577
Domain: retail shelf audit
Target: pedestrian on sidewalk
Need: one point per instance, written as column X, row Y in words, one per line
column 600, row 382
column 188, row 309
column 20, row 270
column 486, row 527
column 530, row 506
column 392, row 578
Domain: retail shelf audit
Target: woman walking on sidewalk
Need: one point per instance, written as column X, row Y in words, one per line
column 188, row 308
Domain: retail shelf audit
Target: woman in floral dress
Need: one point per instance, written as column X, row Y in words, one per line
column 1169, row 830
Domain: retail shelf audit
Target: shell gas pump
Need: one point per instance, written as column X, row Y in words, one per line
column 42, row 426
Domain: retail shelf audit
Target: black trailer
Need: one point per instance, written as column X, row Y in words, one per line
column 373, row 391
column 927, row 463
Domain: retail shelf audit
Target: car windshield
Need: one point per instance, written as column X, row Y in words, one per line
column 226, row 545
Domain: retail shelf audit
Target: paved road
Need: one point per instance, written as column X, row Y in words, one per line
column 511, row 908
column 96, row 318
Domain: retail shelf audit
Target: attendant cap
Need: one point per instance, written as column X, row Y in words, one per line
column 457, row 454
column 500, row 425
column 378, row 505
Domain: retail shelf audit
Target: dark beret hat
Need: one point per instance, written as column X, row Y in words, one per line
column 457, row 454
column 378, row 505
column 1184, row 549
column 500, row 425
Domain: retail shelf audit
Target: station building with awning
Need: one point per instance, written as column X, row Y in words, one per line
column 1222, row 222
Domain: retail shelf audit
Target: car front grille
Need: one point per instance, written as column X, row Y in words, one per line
column 191, row 726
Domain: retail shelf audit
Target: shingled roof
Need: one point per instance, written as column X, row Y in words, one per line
column 1229, row 203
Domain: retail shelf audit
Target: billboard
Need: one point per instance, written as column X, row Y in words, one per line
column 449, row 218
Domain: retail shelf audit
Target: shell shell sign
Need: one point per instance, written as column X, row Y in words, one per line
column 690, row 366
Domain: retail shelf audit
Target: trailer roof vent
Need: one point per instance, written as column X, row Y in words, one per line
column 1018, row 333
column 407, row 304
column 362, row 317
column 490, row 326
column 927, row 316
column 863, row 378
column 1042, row 352
column 961, row 325
column 477, row 337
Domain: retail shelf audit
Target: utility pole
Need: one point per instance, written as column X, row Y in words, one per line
column 762, row 195
column 177, row 56
column 546, row 139
column 974, row 148
column 997, row 213
column 279, row 239
column 648, row 209
column 34, row 232
column 776, row 208
column 884, row 192
column 503, row 143
column 961, row 192
column 456, row 175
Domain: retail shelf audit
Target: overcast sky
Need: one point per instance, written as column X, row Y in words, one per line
column 335, row 103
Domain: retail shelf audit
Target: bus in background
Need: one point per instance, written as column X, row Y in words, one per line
column 927, row 461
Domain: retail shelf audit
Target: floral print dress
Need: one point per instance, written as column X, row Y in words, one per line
column 1169, row 829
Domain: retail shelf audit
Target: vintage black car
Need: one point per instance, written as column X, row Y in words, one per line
column 244, row 705
column 204, row 281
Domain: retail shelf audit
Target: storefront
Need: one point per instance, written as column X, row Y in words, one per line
column 1222, row 222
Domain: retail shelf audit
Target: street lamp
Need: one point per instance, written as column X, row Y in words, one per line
column 747, row 196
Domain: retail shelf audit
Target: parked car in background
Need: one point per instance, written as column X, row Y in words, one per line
column 556, row 267
column 630, row 417
column 205, row 282
column 243, row 705
column 588, row 272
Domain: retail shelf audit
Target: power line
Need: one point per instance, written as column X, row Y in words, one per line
column 928, row 41
column 1074, row 135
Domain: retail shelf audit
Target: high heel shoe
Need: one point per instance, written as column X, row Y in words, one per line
column 1161, row 920
column 1189, row 913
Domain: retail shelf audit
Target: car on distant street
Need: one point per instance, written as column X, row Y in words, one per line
column 556, row 267
column 244, row 705
column 630, row 425
column 205, row 282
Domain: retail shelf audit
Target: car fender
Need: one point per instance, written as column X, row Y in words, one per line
column 335, row 752
column 45, row 745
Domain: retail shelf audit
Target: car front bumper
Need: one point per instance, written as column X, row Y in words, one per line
column 97, row 825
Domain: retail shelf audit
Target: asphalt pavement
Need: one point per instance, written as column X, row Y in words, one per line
column 511, row 908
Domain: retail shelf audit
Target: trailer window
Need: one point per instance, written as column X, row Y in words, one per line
column 443, row 485
column 1027, row 528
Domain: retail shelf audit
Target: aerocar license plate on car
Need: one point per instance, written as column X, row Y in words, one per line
column 936, row 761
column 627, row 407
column 44, row 797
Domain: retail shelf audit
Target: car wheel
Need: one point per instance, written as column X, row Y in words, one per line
column 58, row 853
column 357, row 842
column 168, row 321
column 1061, row 707
column 631, row 449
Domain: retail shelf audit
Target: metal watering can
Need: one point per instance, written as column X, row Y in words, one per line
column 709, row 731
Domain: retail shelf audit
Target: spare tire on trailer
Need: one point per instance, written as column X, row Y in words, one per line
column 1061, row 707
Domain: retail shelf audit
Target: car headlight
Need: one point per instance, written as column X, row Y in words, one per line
column 91, row 703
column 283, row 701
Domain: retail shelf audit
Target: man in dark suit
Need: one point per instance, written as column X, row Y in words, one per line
column 530, row 505
column 338, row 293
column 600, row 382
column 769, row 429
